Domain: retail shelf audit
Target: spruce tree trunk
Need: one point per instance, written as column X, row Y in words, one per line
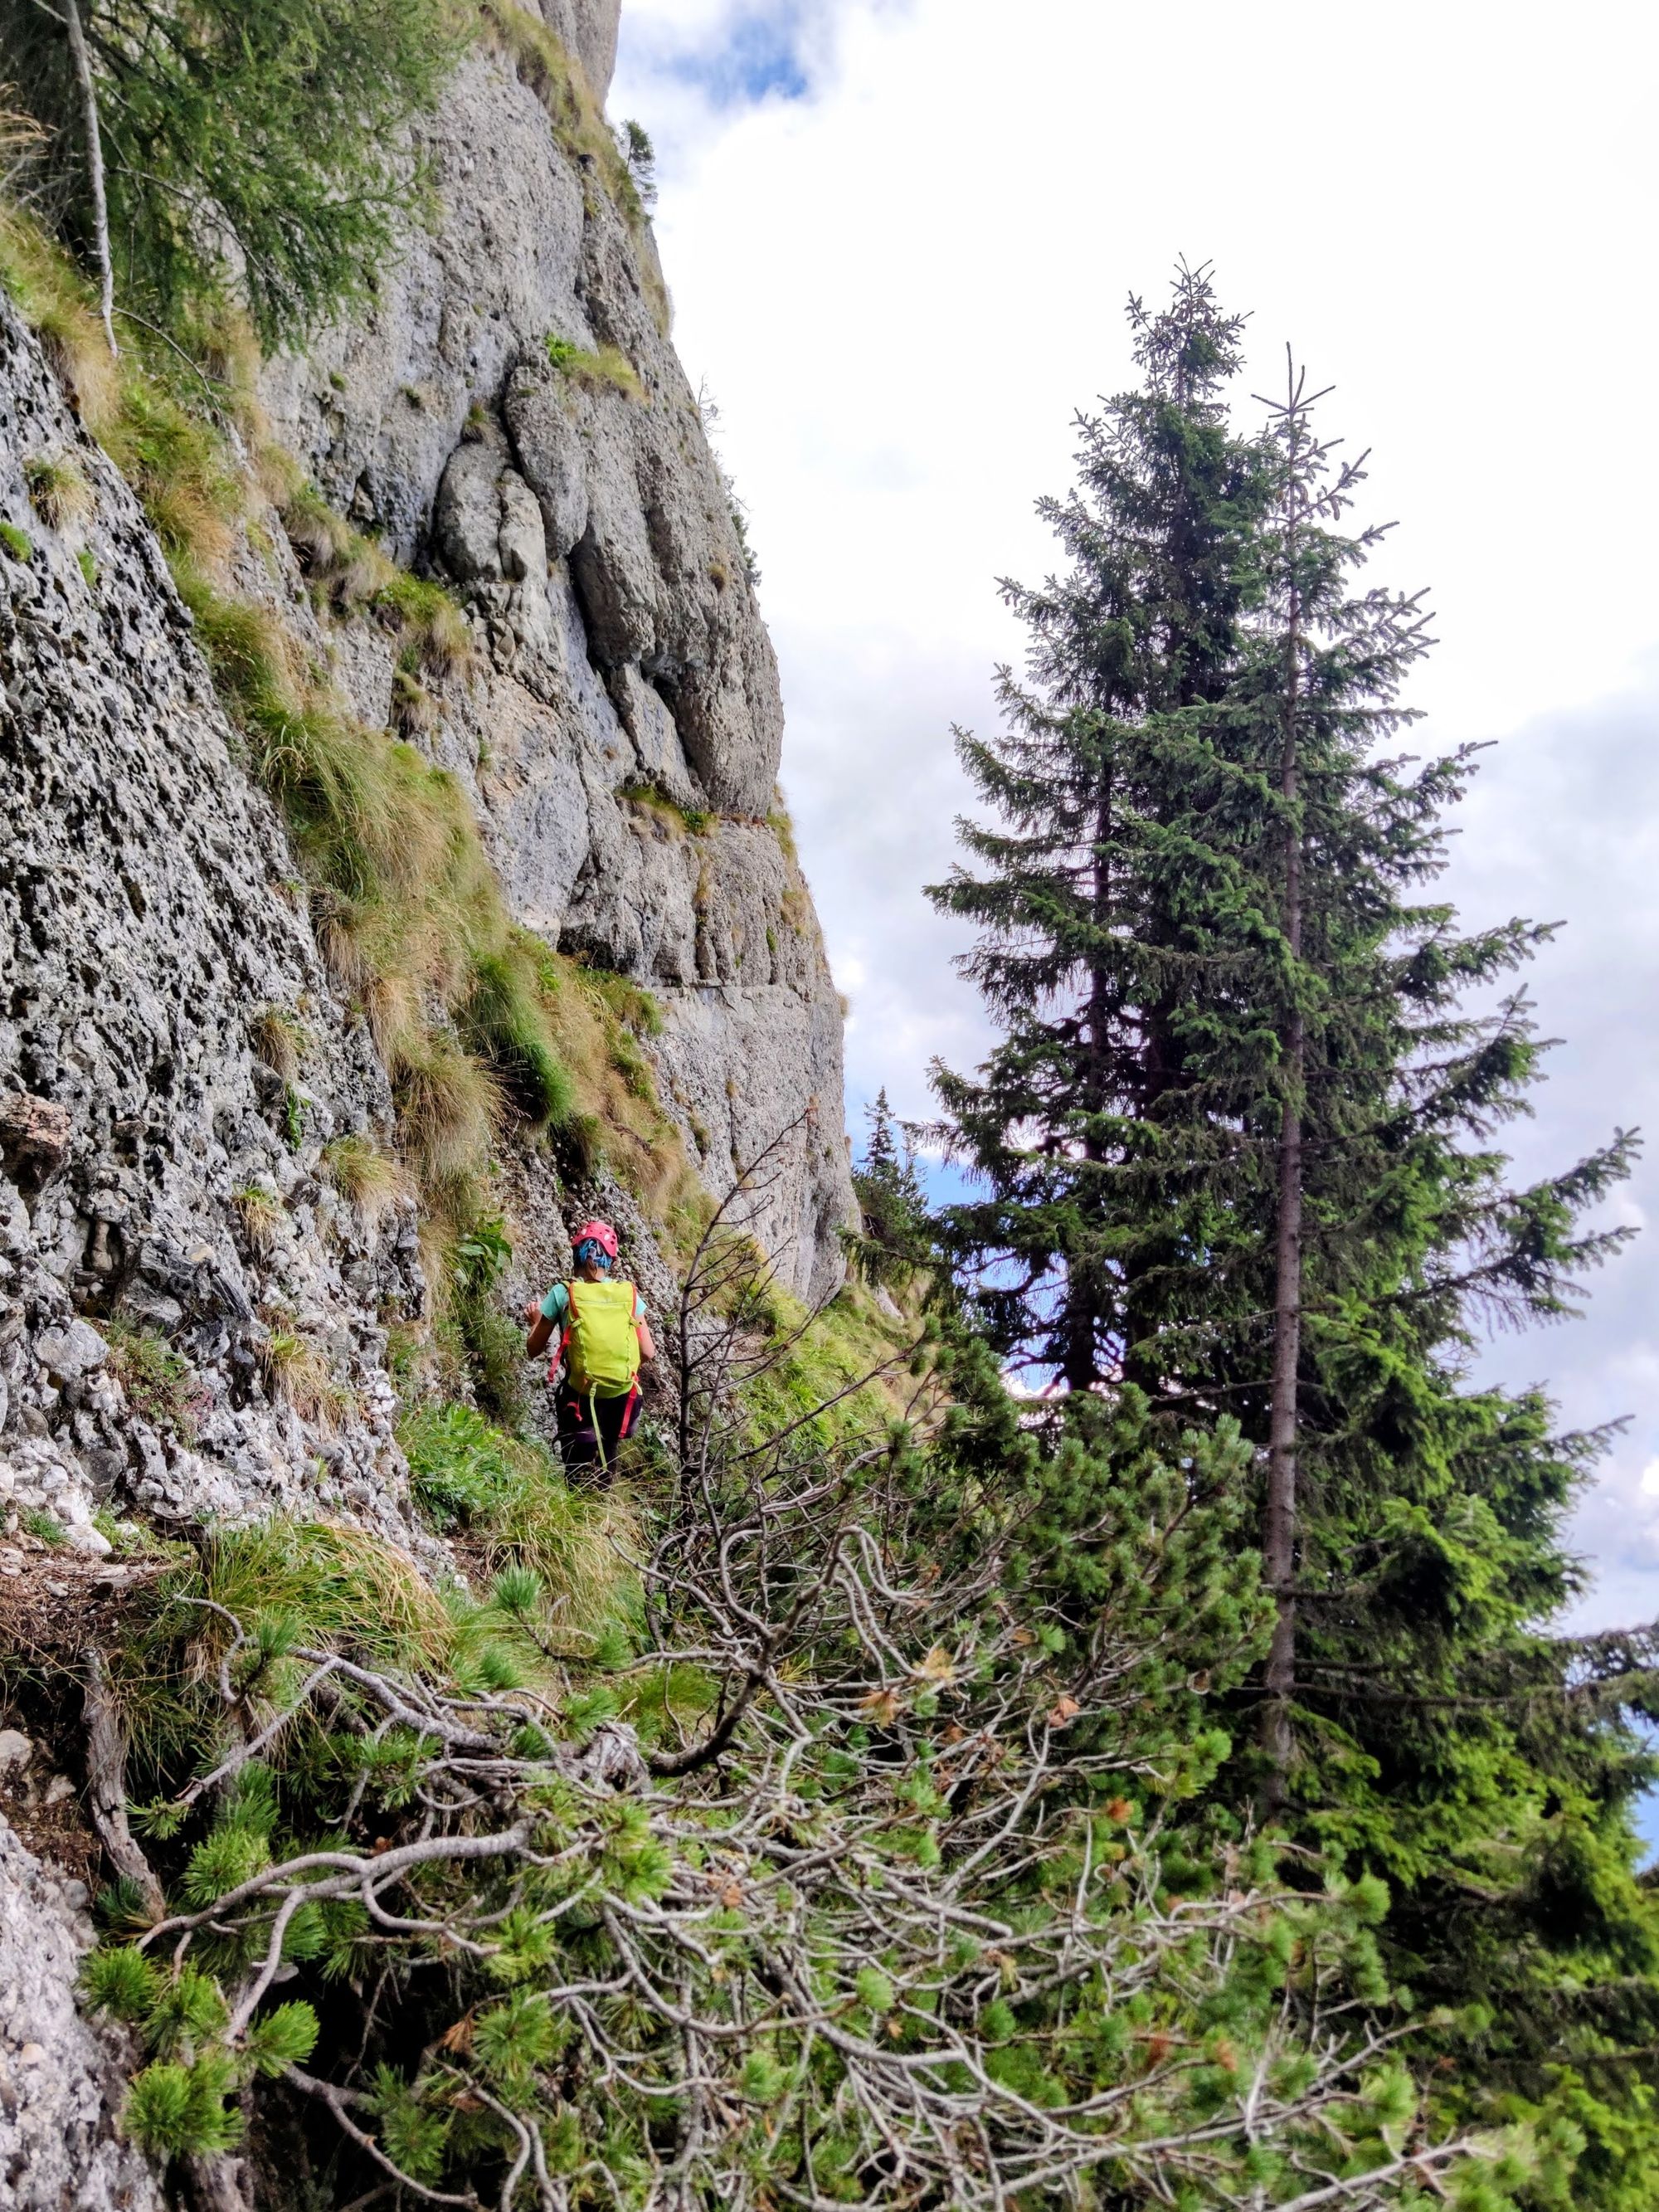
column 1278, row 1528
column 1083, row 1297
column 83, row 78
column 1279, row 1533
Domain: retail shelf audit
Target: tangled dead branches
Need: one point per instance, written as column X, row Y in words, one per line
column 864, row 1877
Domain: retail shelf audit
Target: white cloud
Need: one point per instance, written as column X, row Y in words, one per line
column 902, row 266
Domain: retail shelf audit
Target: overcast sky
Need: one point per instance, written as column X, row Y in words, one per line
column 900, row 233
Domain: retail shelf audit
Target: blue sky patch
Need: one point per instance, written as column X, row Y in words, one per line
column 759, row 58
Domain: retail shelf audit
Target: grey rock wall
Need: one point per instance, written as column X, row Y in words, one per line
column 589, row 27
column 147, row 915
column 61, row 2083
column 625, row 661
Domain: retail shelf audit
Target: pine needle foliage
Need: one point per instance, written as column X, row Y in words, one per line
column 858, row 1861
column 254, row 156
column 1212, row 941
column 895, row 1241
column 1087, row 955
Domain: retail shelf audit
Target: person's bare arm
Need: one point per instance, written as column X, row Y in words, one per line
column 540, row 1337
column 648, row 1342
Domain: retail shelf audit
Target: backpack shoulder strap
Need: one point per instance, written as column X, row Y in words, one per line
column 563, row 1343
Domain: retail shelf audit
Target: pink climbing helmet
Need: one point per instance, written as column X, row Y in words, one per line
column 597, row 1232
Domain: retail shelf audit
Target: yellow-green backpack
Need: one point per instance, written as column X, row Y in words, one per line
column 601, row 1341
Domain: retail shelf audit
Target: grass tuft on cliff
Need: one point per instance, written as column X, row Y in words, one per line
column 58, row 490
column 598, row 1022
column 647, row 797
column 607, row 369
column 844, row 1369
column 369, row 1182
column 350, row 574
column 410, row 916
column 504, row 1017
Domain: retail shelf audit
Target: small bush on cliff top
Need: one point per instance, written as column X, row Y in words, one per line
column 557, row 80
column 579, row 125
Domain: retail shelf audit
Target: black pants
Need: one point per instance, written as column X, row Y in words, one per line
column 580, row 1442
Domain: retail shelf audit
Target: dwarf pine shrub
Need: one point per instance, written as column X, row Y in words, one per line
column 884, row 1797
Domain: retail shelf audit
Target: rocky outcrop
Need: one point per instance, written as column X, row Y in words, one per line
column 619, row 738
column 151, row 933
column 621, row 742
column 588, row 28
column 60, row 2083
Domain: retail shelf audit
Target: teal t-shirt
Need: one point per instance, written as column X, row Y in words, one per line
column 558, row 1299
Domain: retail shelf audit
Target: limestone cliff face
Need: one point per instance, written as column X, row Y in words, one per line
column 630, row 687
column 60, row 2087
column 161, row 1164
column 588, row 28
column 148, row 918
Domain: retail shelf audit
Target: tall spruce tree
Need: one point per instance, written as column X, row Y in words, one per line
column 1318, row 689
column 1380, row 1094
column 1089, row 950
column 1419, row 1717
column 1237, row 1147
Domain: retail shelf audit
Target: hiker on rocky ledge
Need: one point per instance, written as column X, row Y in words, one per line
column 604, row 1336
